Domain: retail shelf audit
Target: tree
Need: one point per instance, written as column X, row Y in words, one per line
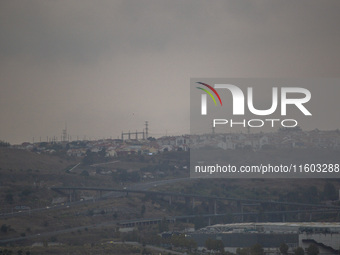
column 310, row 195
column 256, row 249
column 7, row 252
column 25, row 192
column 242, row 251
column 299, row 251
column 89, row 158
column 199, row 222
column 4, row 144
column 163, row 225
column 190, row 244
column 182, row 241
column 329, row 191
column 4, row 228
column 284, row 248
column 209, row 244
column 312, row 250
column 85, row 173
column 45, row 223
column 102, row 152
column 216, row 245
column 219, row 245
column 145, row 252
column 9, row 198
column 142, row 211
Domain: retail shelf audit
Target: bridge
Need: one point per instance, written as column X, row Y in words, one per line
column 240, row 202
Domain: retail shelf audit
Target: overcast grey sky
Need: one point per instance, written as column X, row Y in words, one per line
column 107, row 66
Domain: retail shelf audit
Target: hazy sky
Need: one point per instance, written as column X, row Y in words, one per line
column 107, row 66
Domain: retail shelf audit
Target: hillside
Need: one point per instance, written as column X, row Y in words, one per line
column 16, row 159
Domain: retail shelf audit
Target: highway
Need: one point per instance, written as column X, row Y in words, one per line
column 143, row 188
column 139, row 186
column 148, row 185
column 203, row 197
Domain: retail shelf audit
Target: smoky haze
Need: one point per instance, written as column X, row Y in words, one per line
column 108, row 66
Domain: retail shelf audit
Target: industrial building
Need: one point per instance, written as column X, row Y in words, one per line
column 326, row 235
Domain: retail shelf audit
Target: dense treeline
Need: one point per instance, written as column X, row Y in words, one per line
column 4, row 144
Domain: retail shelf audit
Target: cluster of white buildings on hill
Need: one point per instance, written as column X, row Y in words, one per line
column 230, row 141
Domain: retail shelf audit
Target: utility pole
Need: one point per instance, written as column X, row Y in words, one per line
column 146, row 129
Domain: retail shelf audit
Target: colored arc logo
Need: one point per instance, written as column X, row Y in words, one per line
column 209, row 93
